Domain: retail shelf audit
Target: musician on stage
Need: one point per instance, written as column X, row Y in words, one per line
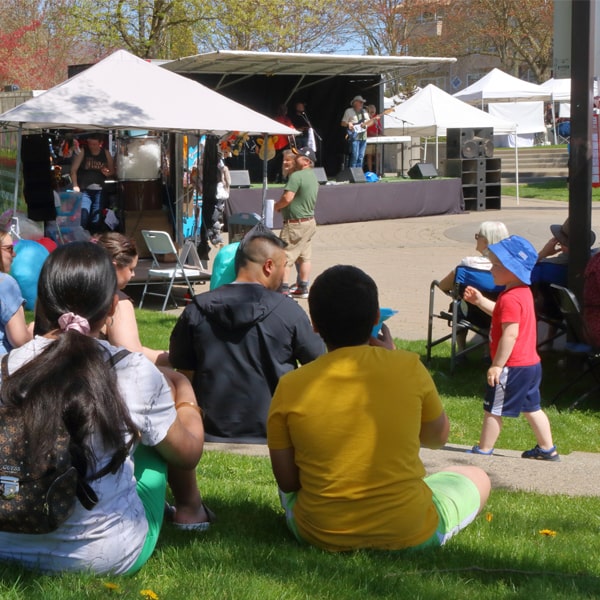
column 373, row 130
column 353, row 117
column 301, row 123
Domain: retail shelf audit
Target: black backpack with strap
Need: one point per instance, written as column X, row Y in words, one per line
column 38, row 498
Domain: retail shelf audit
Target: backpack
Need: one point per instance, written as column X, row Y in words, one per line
column 38, row 498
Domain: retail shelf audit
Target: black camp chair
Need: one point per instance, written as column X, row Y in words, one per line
column 461, row 316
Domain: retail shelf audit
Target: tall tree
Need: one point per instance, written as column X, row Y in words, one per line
column 267, row 25
column 147, row 28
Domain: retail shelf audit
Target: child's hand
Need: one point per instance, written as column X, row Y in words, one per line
column 384, row 339
column 472, row 295
column 493, row 376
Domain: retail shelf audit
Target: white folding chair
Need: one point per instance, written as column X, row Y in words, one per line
column 160, row 242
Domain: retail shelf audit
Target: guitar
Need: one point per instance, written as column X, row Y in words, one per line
column 268, row 149
column 359, row 128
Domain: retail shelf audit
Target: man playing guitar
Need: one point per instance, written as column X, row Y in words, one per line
column 353, row 120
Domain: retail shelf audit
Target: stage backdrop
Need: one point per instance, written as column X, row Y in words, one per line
column 354, row 202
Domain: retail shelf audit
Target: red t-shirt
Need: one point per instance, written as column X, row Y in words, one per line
column 515, row 305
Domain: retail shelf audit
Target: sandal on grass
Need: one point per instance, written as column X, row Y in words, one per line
column 170, row 512
column 477, row 450
column 541, row 454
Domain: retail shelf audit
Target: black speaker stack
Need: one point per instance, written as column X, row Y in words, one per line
column 470, row 157
column 352, row 175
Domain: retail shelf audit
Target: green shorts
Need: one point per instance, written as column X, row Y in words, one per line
column 151, row 487
column 456, row 499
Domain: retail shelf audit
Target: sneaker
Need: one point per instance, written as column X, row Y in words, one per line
column 539, row 454
column 299, row 292
column 293, row 287
column 477, row 450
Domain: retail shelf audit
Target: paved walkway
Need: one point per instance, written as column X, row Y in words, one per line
column 404, row 256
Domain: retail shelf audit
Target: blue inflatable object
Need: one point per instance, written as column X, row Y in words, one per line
column 371, row 177
column 384, row 315
column 223, row 270
column 26, row 267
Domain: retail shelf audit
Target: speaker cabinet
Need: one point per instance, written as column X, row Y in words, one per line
column 320, row 175
column 422, row 171
column 240, row 179
column 352, row 174
column 470, row 142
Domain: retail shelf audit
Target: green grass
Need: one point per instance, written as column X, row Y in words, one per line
column 546, row 190
column 249, row 555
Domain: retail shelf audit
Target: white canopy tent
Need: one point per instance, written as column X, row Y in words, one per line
column 431, row 111
column 498, row 86
column 124, row 92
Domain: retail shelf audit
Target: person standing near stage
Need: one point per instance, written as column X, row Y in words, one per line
column 373, row 130
column 353, row 120
column 297, row 207
column 89, row 171
column 300, row 122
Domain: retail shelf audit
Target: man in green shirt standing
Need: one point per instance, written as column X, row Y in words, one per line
column 297, row 207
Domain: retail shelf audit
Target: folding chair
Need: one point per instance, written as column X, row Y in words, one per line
column 577, row 343
column 547, row 308
column 160, row 243
column 462, row 316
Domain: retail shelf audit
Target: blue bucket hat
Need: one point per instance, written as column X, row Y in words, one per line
column 517, row 255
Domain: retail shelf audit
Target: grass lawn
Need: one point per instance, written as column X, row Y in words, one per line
column 249, row 555
column 547, row 190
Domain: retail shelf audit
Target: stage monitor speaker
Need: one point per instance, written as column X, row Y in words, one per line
column 470, row 142
column 320, row 175
column 352, row 174
column 240, row 179
column 422, row 171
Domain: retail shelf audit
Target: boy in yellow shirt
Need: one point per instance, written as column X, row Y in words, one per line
column 344, row 434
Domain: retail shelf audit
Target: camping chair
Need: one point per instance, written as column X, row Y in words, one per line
column 462, row 316
column 186, row 270
column 577, row 343
column 547, row 308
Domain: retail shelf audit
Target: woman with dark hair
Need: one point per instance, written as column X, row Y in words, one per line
column 121, row 329
column 64, row 377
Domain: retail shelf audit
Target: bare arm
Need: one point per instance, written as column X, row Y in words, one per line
column 16, row 329
column 434, row 434
column 476, row 298
column 510, row 332
column 285, row 470
column 110, row 165
column 122, row 330
column 285, row 200
column 74, row 167
column 447, row 283
column 551, row 247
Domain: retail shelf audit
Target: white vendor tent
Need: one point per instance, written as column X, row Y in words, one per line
column 124, row 92
column 498, row 86
column 431, row 111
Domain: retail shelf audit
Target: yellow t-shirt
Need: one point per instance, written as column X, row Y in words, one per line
column 353, row 417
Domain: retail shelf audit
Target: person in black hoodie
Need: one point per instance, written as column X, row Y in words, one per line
column 239, row 339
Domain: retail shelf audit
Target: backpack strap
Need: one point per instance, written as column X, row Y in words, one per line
column 117, row 357
column 4, row 367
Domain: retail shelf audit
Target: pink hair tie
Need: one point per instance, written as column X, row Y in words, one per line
column 71, row 321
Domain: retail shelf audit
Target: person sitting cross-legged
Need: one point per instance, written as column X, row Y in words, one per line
column 344, row 434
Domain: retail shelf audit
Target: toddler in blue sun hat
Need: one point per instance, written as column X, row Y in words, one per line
column 514, row 377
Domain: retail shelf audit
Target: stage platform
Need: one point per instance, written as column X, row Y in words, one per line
column 355, row 202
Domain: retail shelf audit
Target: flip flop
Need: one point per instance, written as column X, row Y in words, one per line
column 197, row 527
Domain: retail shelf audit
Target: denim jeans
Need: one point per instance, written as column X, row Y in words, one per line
column 358, row 153
column 91, row 206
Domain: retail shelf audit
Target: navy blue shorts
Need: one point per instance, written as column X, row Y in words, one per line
column 517, row 392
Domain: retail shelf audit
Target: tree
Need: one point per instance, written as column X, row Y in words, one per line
column 147, row 28
column 300, row 26
column 35, row 46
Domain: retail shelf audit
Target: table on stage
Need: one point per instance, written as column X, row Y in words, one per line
column 389, row 139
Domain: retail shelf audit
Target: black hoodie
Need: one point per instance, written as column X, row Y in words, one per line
column 239, row 339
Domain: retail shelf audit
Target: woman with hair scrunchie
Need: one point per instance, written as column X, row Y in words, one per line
column 111, row 414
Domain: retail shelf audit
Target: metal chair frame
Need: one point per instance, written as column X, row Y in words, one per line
column 464, row 276
column 182, row 272
column 577, row 343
